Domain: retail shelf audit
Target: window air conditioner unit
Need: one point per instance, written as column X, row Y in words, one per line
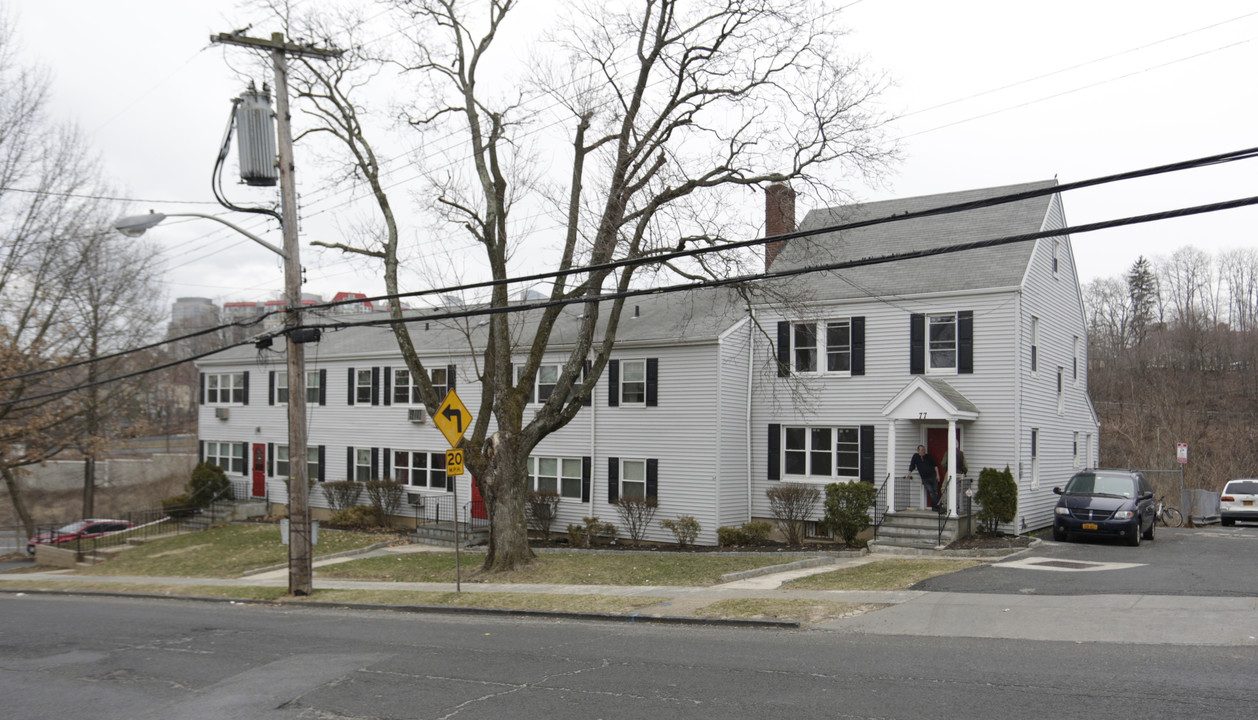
column 417, row 415
column 222, row 413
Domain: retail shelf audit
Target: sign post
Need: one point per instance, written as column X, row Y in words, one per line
column 452, row 419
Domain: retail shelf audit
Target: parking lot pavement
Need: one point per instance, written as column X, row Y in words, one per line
column 1211, row 561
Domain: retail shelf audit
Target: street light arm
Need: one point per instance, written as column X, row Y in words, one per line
column 277, row 250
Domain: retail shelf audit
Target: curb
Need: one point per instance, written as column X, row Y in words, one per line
column 977, row 554
column 436, row 609
column 346, row 553
column 772, row 569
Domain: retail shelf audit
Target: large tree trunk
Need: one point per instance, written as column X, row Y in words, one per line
column 15, row 496
column 504, row 495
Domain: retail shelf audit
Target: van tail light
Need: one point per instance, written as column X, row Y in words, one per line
column 1227, row 498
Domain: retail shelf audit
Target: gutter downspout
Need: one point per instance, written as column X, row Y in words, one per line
column 751, row 364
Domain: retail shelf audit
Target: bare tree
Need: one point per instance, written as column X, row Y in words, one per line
column 665, row 108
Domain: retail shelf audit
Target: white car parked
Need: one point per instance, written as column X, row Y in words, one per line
column 1239, row 501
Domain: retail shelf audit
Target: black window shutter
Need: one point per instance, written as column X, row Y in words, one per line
column 351, row 386
column 270, row 459
column 387, row 468
column 322, row 455
column 201, row 447
column 784, row 348
column 858, row 345
column 450, row 479
column 867, row 454
column 586, row 463
column 588, row 400
column 917, row 344
column 323, row 387
column 245, row 387
column 613, row 383
column 375, row 464
column 270, row 391
column 652, row 478
column 775, row 451
column 375, row 386
column 613, row 479
column 652, row 382
column 388, row 386
column 450, row 376
column 349, row 463
column 202, row 401
column 965, row 342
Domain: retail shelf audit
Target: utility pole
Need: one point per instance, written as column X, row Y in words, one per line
column 300, row 572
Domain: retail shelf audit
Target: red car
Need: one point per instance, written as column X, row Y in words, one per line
column 80, row 530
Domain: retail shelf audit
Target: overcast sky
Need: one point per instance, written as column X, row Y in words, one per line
column 988, row 93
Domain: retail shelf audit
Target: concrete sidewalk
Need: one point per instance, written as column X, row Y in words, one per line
column 1151, row 619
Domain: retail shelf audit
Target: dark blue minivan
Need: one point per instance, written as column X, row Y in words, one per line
column 1117, row 503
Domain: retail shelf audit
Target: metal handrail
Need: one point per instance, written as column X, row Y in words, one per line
column 879, row 518
column 943, row 516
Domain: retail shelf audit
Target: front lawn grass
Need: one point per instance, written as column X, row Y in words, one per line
column 891, row 574
column 807, row 612
column 558, row 568
column 223, row 551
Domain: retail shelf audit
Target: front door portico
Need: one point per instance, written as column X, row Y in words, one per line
column 929, row 402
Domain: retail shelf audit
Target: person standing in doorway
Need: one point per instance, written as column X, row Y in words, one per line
column 928, row 469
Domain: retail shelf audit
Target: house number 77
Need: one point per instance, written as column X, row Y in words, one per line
column 921, row 416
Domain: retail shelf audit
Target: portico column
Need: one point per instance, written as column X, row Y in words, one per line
column 892, row 469
column 952, row 467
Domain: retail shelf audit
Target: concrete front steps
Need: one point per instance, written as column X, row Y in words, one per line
column 916, row 529
column 442, row 534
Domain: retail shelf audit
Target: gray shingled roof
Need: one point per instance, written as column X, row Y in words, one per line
column 1002, row 266
column 692, row 316
column 951, row 394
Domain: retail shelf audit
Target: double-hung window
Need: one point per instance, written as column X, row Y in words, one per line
column 941, row 351
column 281, row 387
column 1035, row 458
column 312, row 462
column 804, row 341
column 440, row 380
column 224, row 388
column 362, row 387
column 229, row 456
column 420, row 469
column 633, row 382
column 839, row 346
column 407, row 392
column 822, row 452
column 557, row 475
column 828, row 341
column 547, row 379
column 633, row 478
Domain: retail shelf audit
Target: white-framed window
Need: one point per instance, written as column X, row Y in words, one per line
column 1061, row 390
column 810, row 340
column 1074, row 445
column 547, row 379
column 406, row 392
column 1035, row 345
column 633, row 382
column 822, row 452
column 941, row 343
column 1087, row 449
column 281, row 387
column 633, row 478
column 1035, row 458
column 230, row 456
column 1074, row 367
column 362, row 465
column 362, row 387
column 558, row 475
column 312, row 462
column 420, row 469
column 225, row 388
column 1056, row 245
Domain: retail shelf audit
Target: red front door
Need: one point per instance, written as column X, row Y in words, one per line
column 478, row 504
column 259, row 470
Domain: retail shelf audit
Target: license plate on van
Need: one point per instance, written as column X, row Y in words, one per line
column 1089, row 526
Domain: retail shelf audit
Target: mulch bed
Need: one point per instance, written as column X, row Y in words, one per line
column 768, row 546
column 991, row 541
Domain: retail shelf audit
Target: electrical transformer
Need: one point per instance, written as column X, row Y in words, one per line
column 255, row 128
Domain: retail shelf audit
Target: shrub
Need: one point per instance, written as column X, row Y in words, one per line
column 591, row 533
column 342, row 495
column 542, row 507
column 636, row 513
column 179, row 506
column 358, row 517
column 793, row 504
column 847, row 509
column 998, row 497
column 685, row 529
column 386, row 498
column 206, row 483
column 755, row 532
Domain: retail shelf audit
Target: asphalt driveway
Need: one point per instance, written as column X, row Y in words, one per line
column 1209, row 561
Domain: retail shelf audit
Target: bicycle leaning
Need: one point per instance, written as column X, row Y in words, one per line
column 1167, row 515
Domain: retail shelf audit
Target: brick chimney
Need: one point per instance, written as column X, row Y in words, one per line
column 779, row 218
